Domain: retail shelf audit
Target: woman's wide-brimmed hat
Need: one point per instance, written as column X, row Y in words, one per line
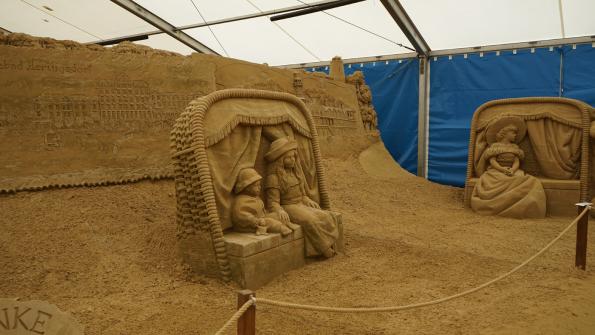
column 279, row 147
column 509, row 120
column 245, row 178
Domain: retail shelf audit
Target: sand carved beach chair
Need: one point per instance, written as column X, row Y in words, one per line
column 556, row 147
column 216, row 137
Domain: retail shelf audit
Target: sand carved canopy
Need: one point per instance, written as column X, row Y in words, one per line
column 557, row 141
column 224, row 132
column 238, row 131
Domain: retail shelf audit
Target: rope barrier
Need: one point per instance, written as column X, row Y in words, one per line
column 421, row 304
column 234, row 318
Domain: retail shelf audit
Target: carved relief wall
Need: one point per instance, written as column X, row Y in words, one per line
column 73, row 114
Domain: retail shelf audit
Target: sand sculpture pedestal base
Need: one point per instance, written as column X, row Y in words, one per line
column 561, row 195
column 256, row 260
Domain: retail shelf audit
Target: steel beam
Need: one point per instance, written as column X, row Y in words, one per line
column 129, row 39
column 404, row 22
column 163, row 25
column 216, row 22
column 352, row 61
column 4, row 31
column 457, row 51
column 513, row 46
column 315, row 9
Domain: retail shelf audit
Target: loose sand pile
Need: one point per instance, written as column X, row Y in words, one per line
column 107, row 255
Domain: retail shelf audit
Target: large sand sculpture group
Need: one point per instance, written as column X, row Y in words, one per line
column 245, row 142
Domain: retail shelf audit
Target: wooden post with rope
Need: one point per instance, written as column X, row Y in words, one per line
column 581, row 237
column 247, row 322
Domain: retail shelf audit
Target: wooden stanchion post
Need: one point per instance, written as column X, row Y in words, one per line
column 581, row 237
column 247, row 322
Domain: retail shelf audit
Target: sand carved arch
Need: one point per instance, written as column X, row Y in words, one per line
column 579, row 106
column 196, row 204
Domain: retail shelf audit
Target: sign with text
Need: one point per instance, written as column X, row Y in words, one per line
column 35, row 317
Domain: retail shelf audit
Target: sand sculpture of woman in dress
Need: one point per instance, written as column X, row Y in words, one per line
column 286, row 195
column 503, row 188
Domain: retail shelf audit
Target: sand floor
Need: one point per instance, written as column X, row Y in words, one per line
column 107, row 255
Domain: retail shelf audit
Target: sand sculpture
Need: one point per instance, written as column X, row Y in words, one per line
column 287, row 196
column 543, row 172
column 364, row 98
column 222, row 144
column 503, row 188
column 248, row 213
column 85, row 115
column 36, row 317
column 337, row 70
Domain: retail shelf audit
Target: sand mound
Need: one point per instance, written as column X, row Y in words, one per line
column 377, row 162
column 106, row 254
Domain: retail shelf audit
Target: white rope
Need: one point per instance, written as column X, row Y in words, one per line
column 421, row 304
column 234, row 318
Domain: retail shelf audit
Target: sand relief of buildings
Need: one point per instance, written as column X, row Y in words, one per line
column 125, row 104
column 116, row 104
column 331, row 115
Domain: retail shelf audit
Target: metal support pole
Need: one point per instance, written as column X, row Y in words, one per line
column 163, row 25
column 581, row 237
column 316, row 9
column 402, row 19
column 215, row 22
column 422, row 116
column 247, row 322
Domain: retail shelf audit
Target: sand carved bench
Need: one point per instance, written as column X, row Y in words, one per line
column 556, row 147
column 215, row 138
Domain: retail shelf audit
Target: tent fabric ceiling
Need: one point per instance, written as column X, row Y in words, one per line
column 444, row 24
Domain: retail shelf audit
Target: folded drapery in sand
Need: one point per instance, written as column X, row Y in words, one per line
column 237, row 136
column 556, row 146
column 516, row 196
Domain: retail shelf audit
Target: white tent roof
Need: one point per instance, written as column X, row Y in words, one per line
column 444, row 24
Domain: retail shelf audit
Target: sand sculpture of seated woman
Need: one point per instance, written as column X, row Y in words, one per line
column 286, row 196
column 503, row 188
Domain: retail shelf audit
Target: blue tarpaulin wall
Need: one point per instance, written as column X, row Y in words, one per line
column 579, row 73
column 394, row 86
column 458, row 86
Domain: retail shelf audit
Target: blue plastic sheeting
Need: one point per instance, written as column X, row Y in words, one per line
column 394, row 89
column 579, row 73
column 458, row 86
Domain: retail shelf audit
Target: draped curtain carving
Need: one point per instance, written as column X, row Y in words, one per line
column 556, row 146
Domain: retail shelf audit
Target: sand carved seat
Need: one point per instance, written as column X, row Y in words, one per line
column 215, row 138
column 556, row 147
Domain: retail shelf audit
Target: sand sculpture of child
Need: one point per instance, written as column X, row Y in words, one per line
column 248, row 213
